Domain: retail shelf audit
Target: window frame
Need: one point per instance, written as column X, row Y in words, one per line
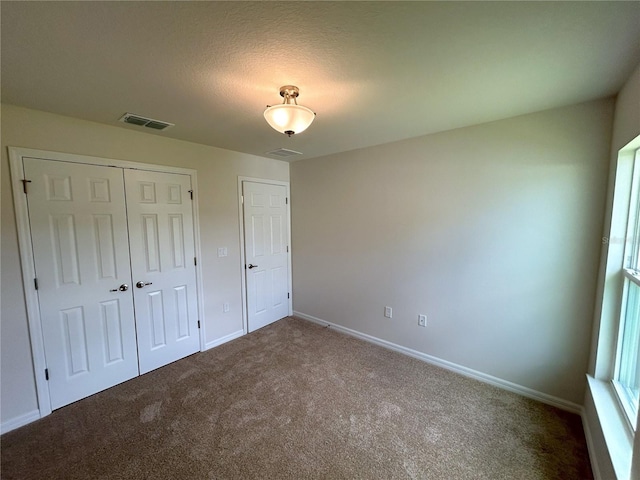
column 614, row 423
column 628, row 404
column 630, row 270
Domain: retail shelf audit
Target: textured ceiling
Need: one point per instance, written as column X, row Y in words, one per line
column 374, row 72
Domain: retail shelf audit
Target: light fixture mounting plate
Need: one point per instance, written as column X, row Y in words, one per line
column 290, row 90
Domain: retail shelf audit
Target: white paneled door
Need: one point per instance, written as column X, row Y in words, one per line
column 78, row 224
column 114, row 259
column 266, row 233
column 163, row 266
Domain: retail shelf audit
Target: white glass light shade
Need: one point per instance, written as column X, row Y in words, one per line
column 288, row 118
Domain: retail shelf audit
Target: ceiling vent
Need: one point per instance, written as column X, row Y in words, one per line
column 141, row 121
column 283, row 153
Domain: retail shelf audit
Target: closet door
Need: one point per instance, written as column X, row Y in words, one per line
column 265, row 244
column 77, row 216
column 160, row 219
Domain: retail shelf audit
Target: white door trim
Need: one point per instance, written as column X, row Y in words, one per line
column 245, row 317
column 16, row 155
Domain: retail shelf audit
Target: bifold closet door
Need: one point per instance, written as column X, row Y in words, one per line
column 160, row 219
column 78, row 224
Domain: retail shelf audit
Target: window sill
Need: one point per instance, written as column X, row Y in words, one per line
column 618, row 436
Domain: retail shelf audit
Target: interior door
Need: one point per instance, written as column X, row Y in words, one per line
column 266, row 230
column 160, row 218
column 81, row 251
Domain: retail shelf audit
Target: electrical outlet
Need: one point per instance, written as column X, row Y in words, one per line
column 422, row 320
column 225, row 307
column 388, row 312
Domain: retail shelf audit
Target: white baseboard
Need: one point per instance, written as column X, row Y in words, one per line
column 225, row 339
column 19, row 421
column 467, row 372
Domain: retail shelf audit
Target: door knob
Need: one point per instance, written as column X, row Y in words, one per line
column 142, row 284
column 123, row 288
column 251, row 265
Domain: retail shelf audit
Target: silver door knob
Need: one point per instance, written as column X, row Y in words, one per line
column 142, row 284
column 123, row 288
column 251, row 265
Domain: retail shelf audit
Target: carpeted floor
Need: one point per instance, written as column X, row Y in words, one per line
column 298, row 401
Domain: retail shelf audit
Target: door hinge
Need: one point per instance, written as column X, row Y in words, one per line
column 287, row 248
column 198, row 323
column 242, row 199
column 286, row 200
column 24, row 184
column 46, row 374
column 195, row 261
column 288, row 295
column 35, row 283
column 191, row 194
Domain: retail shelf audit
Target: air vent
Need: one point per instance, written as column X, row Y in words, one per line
column 283, row 153
column 141, row 121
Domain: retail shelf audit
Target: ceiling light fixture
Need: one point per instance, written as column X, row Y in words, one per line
column 289, row 117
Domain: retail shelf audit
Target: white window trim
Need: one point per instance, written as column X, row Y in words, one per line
column 619, row 393
column 618, row 435
column 617, row 430
column 632, row 275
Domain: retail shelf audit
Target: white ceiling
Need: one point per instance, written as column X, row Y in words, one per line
column 374, row 72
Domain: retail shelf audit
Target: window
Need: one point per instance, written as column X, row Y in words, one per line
column 611, row 406
column 626, row 379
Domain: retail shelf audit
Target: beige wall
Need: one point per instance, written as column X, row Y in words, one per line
column 492, row 231
column 218, row 207
column 626, row 124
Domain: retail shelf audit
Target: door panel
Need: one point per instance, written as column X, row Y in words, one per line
column 160, row 220
column 112, row 324
column 105, row 248
column 266, row 234
column 79, row 234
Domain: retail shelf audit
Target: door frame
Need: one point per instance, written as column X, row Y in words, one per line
column 243, row 277
column 16, row 155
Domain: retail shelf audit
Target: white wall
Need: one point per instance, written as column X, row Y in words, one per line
column 492, row 231
column 218, row 207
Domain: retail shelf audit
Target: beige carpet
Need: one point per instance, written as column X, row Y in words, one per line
column 296, row 401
